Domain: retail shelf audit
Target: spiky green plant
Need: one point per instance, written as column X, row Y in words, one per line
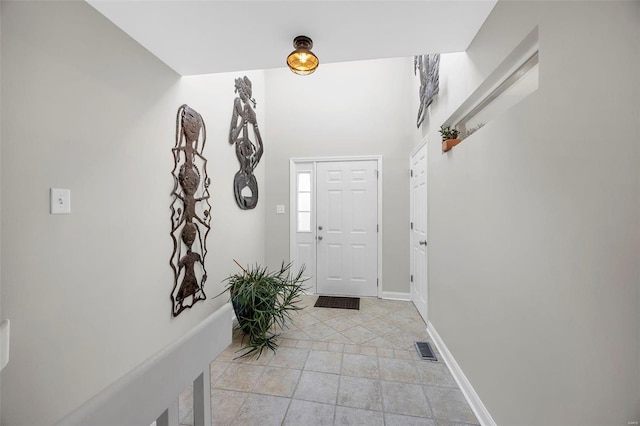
column 263, row 301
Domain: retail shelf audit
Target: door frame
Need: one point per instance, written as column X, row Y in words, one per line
column 293, row 205
column 421, row 145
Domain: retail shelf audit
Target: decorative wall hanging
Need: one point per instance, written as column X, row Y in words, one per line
column 429, row 68
column 190, row 210
column 245, row 185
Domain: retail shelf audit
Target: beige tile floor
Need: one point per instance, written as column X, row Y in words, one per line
column 337, row 367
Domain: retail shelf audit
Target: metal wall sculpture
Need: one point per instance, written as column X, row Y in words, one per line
column 190, row 210
column 245, row 185
column 429, row 68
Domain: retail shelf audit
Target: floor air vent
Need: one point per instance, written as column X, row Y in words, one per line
column 425, row 351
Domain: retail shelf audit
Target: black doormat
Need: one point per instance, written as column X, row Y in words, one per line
column 338, row 302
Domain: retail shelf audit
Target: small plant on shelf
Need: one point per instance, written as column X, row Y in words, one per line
column 263, row 301
column 448, row 132
column 449, row 137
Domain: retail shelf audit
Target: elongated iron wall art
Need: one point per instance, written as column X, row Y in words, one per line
column 190, row 210
column 429, row 68
column 245, row 186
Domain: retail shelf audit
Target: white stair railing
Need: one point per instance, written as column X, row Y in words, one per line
column 150, row 391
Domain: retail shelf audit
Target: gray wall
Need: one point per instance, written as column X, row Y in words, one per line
column 1, row 317
column 84, row 107
column 533, row 221
column 355, row 108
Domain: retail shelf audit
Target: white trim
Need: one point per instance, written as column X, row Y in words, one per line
column 380, row 227
column 332, row 159
column 394, row 295
column 292, row 203
column 481, row 412
column 293, row 215
column 422, row 143
column 293, row 185
column 5, row 340
column 520, row 54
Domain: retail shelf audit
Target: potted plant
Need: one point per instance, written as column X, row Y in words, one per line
column 262, row 301
column 449, row 137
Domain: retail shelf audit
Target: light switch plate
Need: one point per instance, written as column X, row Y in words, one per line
column 280, row 209
column 60, row 201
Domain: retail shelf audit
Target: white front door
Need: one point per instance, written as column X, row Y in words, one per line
column 418, row 213
column 346, row 228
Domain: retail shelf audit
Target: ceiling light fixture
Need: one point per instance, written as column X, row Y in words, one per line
column 302, row 61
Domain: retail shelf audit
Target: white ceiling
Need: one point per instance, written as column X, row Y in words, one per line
column 210, row 36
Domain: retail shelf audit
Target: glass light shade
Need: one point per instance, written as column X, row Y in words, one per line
column 302, row 61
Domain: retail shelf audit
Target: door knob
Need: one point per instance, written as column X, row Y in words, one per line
column 320, row 228
column 320, row 237
column 423, row 242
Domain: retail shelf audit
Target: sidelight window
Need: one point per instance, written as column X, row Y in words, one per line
column 303, row 207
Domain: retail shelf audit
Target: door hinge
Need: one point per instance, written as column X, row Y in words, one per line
column 411, row 278
column 378, row 228
column 411, row 225
column 377, row 174
column 377, row 282
column 411, row 173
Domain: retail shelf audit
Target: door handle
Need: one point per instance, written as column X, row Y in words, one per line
column 423, row 242
column 320, row 237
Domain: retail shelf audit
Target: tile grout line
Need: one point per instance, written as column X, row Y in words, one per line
column 335, row 406
column 382, row 398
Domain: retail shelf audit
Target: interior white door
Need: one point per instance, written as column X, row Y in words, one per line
column 418, row 209
column 347, row 226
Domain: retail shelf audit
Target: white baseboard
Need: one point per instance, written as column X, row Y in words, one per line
column 393, row 295
column 481, row 412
